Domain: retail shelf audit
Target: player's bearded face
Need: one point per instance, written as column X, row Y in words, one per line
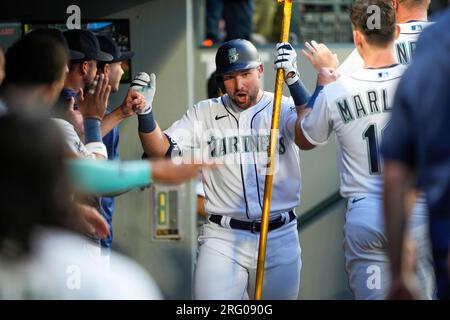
column 243, row 87
column 115, row 75
column 90, row 71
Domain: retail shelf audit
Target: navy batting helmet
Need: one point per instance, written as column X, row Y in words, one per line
column 236, row 55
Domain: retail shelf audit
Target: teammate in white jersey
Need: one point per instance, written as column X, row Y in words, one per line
column 357, row 108
column 234, row 130
column 412, row 18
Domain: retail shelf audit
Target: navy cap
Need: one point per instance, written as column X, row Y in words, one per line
column 108, row 45
column 58, row 35
column 87, row 43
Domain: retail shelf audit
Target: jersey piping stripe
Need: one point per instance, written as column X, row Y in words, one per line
column 256, row 171
column 375, row 80
column 242, row 172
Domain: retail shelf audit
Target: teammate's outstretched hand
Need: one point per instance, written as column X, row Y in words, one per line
column 320, row 56
column 92, row 104
column 146, row 85
column 286, row 58
column 166, row 171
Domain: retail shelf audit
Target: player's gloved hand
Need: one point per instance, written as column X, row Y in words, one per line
column 286, row 58
column 146, row 85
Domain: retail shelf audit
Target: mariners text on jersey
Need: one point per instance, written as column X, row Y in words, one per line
column 242, row 144
column 217, row 131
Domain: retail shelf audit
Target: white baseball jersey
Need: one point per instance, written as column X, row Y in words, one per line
column 404, row 47
column 359, row 137
column 357, row 108
column 58, row 256
column 219, row 131
column 73, row 143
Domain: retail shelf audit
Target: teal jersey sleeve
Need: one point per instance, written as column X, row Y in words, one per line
column 89, row 176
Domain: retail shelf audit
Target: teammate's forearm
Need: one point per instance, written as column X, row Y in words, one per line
column 299, row 93
column 313, row 98
column 106, row 177
column 93, row 138
column 395, row 189
column 111, row 120
column 155, row 143
column 300, row 138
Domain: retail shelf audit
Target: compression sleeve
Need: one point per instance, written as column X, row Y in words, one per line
column 108, row 176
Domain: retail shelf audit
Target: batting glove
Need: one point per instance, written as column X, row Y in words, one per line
column 286, row 58
column 146, row 85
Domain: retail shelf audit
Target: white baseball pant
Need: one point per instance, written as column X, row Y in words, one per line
column 365, row 246
column 227, row 262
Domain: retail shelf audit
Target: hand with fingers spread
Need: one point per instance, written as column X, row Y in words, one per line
column 286, row 58
column 93, row 103
column 146, row 85
column 320, row 56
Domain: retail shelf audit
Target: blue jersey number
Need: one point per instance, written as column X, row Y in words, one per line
column 373, row 148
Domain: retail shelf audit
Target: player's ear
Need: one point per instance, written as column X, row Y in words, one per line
column 84, row 67
column 397, row 31
column 356, row 38
column 394, row 4
column 260, row 71
column 106, row 69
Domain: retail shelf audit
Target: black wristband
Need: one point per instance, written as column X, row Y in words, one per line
column 299, row 93
column 146, row 123
column 92, row 131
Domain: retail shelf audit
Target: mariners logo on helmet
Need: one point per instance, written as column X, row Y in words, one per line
column 233, row 55
column 236, row 55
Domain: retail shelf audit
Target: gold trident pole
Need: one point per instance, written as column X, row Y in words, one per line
column 284, row 37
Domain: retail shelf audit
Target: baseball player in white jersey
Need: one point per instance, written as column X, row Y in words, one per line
column 93, row 106
column 357, row 108
column 234, row 130
column 411, row 16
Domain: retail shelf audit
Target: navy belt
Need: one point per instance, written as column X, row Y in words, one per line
column 253, row 226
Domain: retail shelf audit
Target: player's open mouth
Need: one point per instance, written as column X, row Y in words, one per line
column 241, row 96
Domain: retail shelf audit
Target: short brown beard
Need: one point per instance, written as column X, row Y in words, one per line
column 252, row 95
